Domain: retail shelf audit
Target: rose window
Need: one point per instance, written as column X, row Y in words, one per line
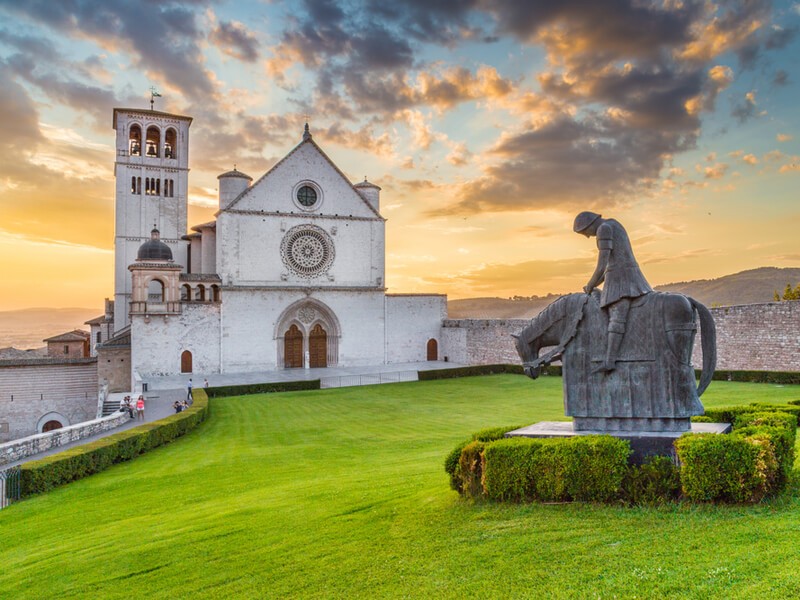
column 307, row 250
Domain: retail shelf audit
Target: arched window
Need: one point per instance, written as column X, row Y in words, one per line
column 147, row 186
column 171, row 188
column 135, row 141
column 186, row 362
column 200, row 293
column 155, row 291
column 153, row 141
column 433, row 349
column 170, row 144
column 139, row 186
column 215, row 293
column 51, row 425
column 133, row 185
column 158, row 187
column 186, row 292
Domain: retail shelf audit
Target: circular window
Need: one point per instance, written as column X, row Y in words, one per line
column 307, row 196
column 307, row 250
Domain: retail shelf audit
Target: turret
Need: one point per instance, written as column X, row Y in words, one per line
column 370, row 192
column 231, row 184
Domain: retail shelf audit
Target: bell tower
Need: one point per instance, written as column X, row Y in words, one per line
column 151, row 171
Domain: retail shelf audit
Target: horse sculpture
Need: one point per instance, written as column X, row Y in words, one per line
column 653, row 387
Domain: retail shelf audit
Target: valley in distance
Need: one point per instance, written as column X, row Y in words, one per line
column 25, row 329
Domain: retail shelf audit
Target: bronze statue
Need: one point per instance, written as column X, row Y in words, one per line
column 617, row 267
column 626, row 351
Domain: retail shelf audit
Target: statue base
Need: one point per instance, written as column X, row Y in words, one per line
column 643, row 443
column 631, row 424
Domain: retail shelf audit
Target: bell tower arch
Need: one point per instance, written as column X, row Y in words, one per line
column 152, row 174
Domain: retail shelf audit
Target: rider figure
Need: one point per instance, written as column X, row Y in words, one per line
column 624, row 280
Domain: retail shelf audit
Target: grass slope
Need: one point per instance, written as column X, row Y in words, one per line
column 341, row 493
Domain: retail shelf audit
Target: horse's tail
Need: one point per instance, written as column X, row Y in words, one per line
column 708, row 339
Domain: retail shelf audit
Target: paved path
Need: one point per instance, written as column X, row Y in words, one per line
column 163, row 391
column 158, row 405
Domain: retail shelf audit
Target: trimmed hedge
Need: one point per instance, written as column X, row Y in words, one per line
column 656, row 481
column 81, row 461
column 261, row 388
column 452, row 460
column 779, row 377
column 753, row 462
column 474, row 370
column 587, row 468
column 730, row 414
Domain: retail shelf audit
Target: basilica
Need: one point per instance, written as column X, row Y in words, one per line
column 290, row 274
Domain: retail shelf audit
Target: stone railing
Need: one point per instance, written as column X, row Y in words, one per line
column 22, row 448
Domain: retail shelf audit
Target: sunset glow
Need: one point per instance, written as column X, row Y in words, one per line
column 488, row 126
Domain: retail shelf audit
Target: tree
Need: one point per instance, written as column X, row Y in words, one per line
column 789, row 293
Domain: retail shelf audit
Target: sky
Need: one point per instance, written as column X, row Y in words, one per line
column 488, row 124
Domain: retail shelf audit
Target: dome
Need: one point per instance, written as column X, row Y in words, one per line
column 154, row 249
column 235, row 173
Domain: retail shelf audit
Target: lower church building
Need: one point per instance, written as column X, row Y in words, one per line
column 290, row 274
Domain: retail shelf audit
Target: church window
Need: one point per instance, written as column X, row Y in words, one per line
column 153, row 141
column 171, row 188
column 139, row 186
column 158, row 187
column 215, row 293
column 307, row 196
column 135, row 141
column 307, row 250
column 147, row 186
column 66, row 349
column 170, row 149
column 133, row 185
column 200, row 294
column 186, row 292
column 99, row 337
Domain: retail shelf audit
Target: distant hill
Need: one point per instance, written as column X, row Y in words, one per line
column 27, row 328
column 747, row 287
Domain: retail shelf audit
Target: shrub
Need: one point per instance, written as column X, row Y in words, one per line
column 656, row 481
column 587, row 468
column 469, row 371
column 262, row 388
column 451, row 461
column 778, row 377
column 721, row 467
column 75, row 463
column 508, row 472
column 729, row 414
column 470, row 469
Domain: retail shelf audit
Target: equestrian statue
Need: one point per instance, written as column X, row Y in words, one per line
column 626, row 351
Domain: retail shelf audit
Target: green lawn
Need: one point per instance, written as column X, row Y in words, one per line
column 342, row 493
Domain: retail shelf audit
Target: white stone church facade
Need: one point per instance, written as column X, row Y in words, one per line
column 291, row 274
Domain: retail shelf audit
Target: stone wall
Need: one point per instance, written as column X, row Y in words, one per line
column 34, row 444
column 35, row 391
column 754, row 337
column 411, row 321
column 114, row 368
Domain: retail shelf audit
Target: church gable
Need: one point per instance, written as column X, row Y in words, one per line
column 304, row 182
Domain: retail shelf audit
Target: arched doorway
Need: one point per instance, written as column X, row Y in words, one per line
column 51, row 425
column 186, row 362
column 293, row 348
column 318, row 347
column 433, row 349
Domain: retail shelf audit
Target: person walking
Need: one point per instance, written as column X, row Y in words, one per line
column 189, row 392
column 140, row 408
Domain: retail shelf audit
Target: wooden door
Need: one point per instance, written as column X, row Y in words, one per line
column 433, row 349
column 318, row 347
column 186, row 362
column 293, row 348
column 51, row 425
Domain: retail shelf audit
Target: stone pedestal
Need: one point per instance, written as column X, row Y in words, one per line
column 643, row 443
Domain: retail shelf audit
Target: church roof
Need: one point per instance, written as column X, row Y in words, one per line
column 154, row 249
column 76, row 335
column 307, row 139
column 96, row 320
column 120, row 339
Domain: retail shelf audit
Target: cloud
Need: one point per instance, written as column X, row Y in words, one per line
column 784, row 137
column 746, row 108
column 781, row 78
column 235, row 40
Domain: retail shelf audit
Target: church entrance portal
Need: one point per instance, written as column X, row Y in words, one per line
column 318, row 347
column 433, row 349
column 293, row 348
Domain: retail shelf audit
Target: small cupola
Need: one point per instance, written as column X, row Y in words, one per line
column 370, row 192
column 231, row 185
column 154, row 249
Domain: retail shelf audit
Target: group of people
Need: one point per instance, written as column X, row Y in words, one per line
column 128, row 405
column 180, row 405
